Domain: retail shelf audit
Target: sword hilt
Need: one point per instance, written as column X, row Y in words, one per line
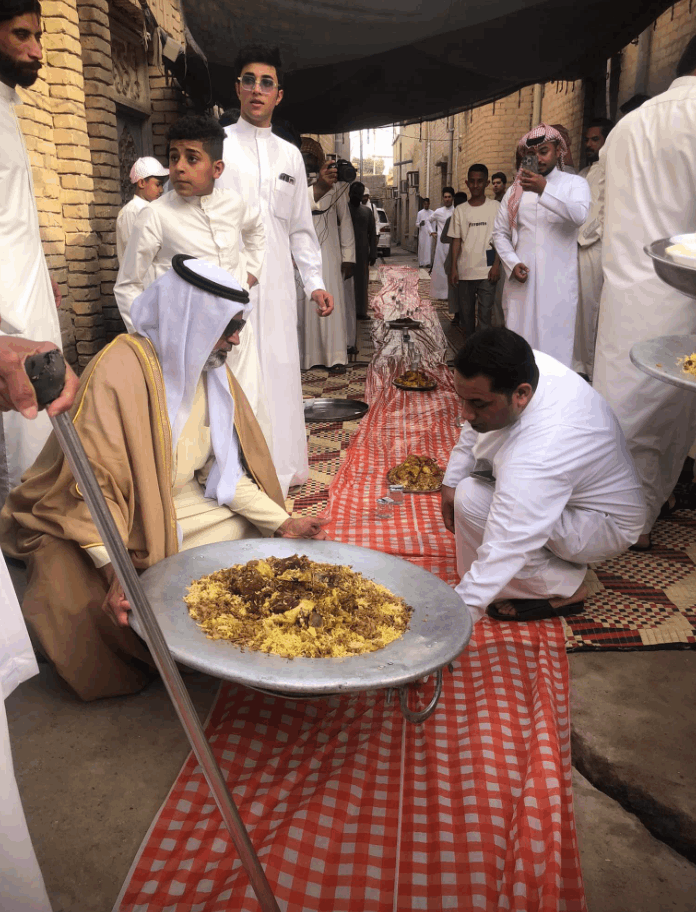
column 46, row 371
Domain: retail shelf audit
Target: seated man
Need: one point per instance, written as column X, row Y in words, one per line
column 539, row 485
column 179, row 457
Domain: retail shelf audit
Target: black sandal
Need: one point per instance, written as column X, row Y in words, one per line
column 536, row 610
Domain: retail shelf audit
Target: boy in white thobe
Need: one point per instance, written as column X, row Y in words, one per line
column 147, row 177
column 199, row 219
column 650, row 194
column 269, row 174
column 535, row 236
column 439, row 280
column 425, row 241
column 27, row 302
column 539, row 485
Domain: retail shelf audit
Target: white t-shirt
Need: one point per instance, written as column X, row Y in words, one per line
column 474, row 225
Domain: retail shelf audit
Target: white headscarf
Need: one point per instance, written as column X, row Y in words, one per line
column 184, row 323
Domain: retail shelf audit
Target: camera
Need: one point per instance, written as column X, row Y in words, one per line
column 345, row 171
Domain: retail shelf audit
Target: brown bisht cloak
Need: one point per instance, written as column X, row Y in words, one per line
column 121, row 416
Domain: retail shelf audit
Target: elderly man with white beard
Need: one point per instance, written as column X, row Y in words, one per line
column 181, row 461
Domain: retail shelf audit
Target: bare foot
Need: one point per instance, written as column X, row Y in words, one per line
column 507, row 607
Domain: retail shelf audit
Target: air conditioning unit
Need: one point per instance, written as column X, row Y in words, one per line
column 412, row 178
column 403, row 186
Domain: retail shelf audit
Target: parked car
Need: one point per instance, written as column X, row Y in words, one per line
column 383, row 233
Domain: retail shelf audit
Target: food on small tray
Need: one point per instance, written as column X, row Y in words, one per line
column 418, row 475
column 294, row 606
column 416, row 379
column 689, row 364
column 683, row 250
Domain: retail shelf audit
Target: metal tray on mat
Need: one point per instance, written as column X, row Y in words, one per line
column 334, row 409
column 683, row 278
column 404, row 323
column 660, row 358
column 416, row 389
column 412, row 490
column 440, row 626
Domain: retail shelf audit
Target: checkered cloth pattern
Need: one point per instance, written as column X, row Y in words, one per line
column 352, row 809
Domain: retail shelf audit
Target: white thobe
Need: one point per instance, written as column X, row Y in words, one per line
column 650, row 193
column 124, row 223
column 325, row 338
column 439, row 281
column 565, row 494
column 269, row 173
column 590, row 270
column 542, row 309
column 425, row 242
column 21, row 884
column 27, row 305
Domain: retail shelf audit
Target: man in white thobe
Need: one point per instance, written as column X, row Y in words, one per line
column 425, row 241
column 439, row 280
column 269, row 174
column 535, row 236
column 21, row 884
column 27, row 300
column 539, row 485
column 325, row 341
column 590, row 250
column 650, row 194
column 147, row 178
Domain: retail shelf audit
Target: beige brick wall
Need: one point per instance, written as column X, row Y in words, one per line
column 562, row 103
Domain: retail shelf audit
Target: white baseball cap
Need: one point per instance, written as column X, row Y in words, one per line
column 147, row 167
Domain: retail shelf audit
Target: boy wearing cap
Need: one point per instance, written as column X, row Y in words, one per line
column 147, row 177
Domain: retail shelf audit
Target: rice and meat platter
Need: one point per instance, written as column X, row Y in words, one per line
column 689, row 364
column 418, row 474
column 293, row 606
column 415, row 379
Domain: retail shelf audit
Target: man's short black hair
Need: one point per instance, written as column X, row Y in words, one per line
column 481, row 169
column 459, row 198
column 11, row 8
column 199, row 127
column 259, row 53
column 502, row 356
column 500, row 175
column 228, row 117
column 687, row 61
column 604, row 124
column 448, row 190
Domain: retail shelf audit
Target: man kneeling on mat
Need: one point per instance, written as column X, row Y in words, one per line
column 540, row 484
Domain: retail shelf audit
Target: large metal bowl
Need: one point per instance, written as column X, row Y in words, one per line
column 677, row 276
column 440, row 627
column 661, row 358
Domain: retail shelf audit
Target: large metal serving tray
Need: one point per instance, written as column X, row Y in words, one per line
column 440, row 627
column 683, row 278
column 660, row 358
column 334, row 409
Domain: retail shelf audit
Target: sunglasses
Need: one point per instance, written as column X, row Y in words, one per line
column 234, row 326
column 266, row 84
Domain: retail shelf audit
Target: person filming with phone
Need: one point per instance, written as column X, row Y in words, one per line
column 535, row 235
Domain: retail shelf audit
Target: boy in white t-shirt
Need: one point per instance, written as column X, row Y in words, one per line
column 474, row 270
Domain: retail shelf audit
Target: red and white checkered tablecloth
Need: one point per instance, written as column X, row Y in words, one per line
column 352, row 809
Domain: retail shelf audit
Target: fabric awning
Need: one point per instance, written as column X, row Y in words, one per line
column 352, row 64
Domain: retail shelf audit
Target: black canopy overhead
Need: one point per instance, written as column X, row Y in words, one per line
column 352, row 64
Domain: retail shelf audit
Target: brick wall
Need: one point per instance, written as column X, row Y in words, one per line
column 562, row 103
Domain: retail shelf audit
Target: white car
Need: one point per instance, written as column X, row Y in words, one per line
column 383, row 233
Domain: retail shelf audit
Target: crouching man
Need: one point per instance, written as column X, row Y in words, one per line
column 539, row 485
column 180, row 460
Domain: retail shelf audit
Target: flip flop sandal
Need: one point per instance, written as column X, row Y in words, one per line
column 536, row 610
column 641, row 548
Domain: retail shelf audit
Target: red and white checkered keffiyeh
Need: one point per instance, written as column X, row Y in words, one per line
column 550, row 134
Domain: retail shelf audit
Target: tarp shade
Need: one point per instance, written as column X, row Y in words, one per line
column 350, row 66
